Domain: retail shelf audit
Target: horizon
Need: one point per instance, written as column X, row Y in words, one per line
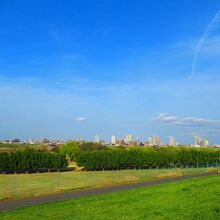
column 121, row 139
column 70, row 71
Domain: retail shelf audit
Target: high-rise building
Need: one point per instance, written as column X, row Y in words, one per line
column 201, row 141
column 97, row 139
column 197, row 140
column 128, row 138
column 113, row 140
column 149, row 141
column 156, row 140
column 205, row 142
column 172, row 141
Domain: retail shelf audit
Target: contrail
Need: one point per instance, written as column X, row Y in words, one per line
column 202, row 41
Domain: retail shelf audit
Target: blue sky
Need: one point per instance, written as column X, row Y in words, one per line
column 74, row 69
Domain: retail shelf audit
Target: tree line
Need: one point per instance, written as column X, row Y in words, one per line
column 29, row 159
column 135, row 157
column 95, row 156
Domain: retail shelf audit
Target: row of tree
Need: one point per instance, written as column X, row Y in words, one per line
column 119, row 157
column 28, row 159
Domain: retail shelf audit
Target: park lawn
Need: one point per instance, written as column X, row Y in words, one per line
column 191, row 199
column 27, row 185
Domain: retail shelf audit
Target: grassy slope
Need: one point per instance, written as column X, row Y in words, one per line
column 192, row 199
column 38, row 184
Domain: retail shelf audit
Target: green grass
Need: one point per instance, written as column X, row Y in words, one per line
column 192, row 199
column 28, row 185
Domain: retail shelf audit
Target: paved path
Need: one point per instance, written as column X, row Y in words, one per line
column 13, row 204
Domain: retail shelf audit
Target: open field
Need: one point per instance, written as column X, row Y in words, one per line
column 27, row 185
column 196, row 198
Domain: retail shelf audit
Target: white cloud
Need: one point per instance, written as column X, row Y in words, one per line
column 165, row 117
column 199, row 120
column 201, row 42
column 186, row 121
column 80, row 119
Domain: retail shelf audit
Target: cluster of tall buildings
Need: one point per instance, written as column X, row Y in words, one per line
column 129, row 140
column 151, row 141
column 200, row 142
column 155, row 141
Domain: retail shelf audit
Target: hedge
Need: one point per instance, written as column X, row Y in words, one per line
column 116, row 158
column 31, row 160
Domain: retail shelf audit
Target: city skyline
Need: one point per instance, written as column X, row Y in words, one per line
column 128, row 139
column 110, row 67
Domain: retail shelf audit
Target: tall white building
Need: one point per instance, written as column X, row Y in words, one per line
column 201, row 141
column 205, row 142
column 128, row 138
column 156, row 140
column 97, row 139
column 172, row 141
column 197, row 140
column 113, row 140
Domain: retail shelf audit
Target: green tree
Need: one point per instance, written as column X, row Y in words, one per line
column 87, row 146
column 70, row 149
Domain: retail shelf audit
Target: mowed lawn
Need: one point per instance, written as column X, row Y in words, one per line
column 27, row 185
column 192, row 199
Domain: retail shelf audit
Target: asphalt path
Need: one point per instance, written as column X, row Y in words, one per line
column 18, row 203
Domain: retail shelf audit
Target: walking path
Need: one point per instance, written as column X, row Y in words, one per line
column 18, row 203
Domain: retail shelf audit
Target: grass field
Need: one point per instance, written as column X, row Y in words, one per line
column 192, row 199
column 26, row 185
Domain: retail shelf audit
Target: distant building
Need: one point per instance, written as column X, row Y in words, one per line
column 201, row 142
column 197, row 141
column 16, row 140
column 128, row 138
column 140, row 144
column 97, row 139
column 156, row 140
column 113, row 140
column 149, row 141
column 172, row 141
column 45, row 141
column 205, row 142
